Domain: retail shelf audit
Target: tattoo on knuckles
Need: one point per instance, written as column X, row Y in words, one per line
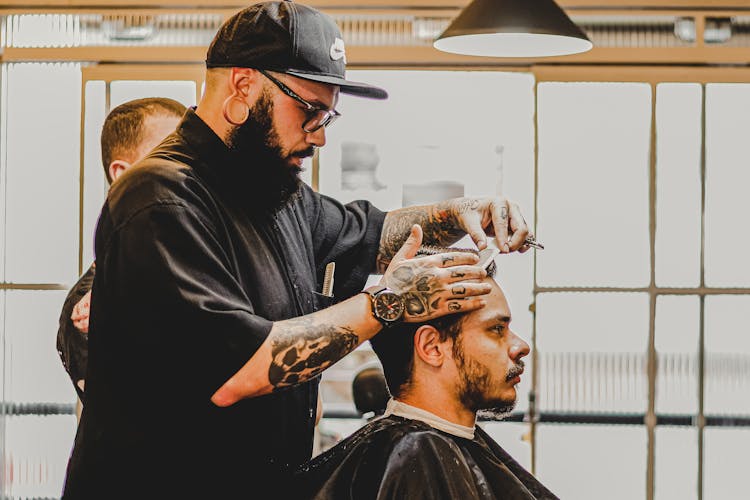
column 467, row 206
column 459, row 290
column 454, row 306
column 457, row 274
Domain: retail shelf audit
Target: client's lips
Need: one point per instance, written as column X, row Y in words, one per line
column 515, row 375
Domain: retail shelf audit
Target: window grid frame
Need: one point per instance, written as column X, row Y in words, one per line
column 652, row 76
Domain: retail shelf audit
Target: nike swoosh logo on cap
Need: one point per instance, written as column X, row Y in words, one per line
column 337, row 50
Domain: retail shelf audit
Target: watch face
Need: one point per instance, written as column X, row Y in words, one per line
column 388, row 306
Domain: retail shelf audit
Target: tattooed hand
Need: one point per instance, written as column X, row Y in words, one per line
column 445, row 223
column 482, row 217
column 435, row 285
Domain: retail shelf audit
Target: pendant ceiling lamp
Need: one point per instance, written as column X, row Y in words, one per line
column 513, row 28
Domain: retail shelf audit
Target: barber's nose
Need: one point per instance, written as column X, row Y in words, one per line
column 317, row 138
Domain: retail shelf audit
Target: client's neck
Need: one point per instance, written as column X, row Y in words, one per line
column 440, row 404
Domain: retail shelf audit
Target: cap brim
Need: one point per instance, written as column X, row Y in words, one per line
column 358, row 89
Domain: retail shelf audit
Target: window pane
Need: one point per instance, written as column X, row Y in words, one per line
column 677, row 330
column 37, row 450
column 33, row 370
column 592, row 462
column 42, row 168
column 727, row 179
column 727, row 364
column 592, row 352
column 676, row 468
column 678, row 189
column 94, row 181
column 3, row 165
column 484, row 145
column 725, row 463
column 593, row 184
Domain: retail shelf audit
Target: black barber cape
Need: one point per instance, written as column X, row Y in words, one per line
column 190, row 275
column 395, row 458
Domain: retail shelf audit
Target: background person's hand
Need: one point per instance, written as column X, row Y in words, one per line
column 434, row 285
column 80, row 314
column 491, row 216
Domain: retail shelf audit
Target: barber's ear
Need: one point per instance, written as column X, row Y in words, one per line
column 117, row 168
column 428, row 346
column 241, row 79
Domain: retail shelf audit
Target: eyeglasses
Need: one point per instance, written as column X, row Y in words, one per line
column 316, row 116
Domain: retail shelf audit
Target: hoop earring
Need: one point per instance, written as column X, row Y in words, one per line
column 225, row 112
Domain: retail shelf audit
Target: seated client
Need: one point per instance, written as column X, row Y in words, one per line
column 427, row 445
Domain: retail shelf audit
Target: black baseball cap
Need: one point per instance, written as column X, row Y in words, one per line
column 290, row 38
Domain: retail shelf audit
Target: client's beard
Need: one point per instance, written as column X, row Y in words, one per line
column 476, row 384
column 270, row 181
column 501, row 409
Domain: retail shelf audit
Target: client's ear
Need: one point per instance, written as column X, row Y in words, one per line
column 428, row 347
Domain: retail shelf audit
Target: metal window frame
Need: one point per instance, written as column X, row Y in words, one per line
column 653, row 76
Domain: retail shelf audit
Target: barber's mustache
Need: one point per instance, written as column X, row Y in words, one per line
column 515, row 371
column 305, row 153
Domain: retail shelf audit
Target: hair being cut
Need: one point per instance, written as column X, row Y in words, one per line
column 123, row 132
column 395, row 346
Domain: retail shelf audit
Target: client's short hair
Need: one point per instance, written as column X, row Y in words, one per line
column 123, row 128
column 394, row 345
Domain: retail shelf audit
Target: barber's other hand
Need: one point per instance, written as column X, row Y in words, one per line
column 435, row 285
column 491, row 216
column 80, row 314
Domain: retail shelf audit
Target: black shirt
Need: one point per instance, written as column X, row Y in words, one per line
column 190, row 277
column 71, row 342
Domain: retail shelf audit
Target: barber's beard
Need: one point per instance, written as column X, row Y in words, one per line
column 271, row 181
column 476, row 387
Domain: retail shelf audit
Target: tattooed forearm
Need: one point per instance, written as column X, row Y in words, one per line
column 439, row 226
column 442, row 226
column 305, row 349
column 396, row 229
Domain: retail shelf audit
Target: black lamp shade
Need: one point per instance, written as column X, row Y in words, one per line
column 513, row 28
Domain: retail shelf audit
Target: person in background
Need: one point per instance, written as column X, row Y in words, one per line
column 130, row 131
column 440, row 373
column 211, row 255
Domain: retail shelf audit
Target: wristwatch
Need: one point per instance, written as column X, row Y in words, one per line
column 387, row 306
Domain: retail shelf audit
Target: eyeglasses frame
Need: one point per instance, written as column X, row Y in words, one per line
column 330, row 114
